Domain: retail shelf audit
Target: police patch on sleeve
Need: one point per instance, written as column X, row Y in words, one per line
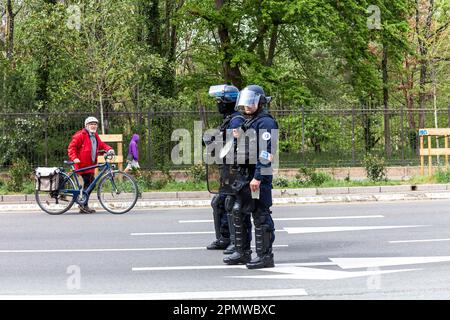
column 266, row 156
column 266, row 136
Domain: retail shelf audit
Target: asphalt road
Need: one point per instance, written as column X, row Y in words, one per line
column 395, row 250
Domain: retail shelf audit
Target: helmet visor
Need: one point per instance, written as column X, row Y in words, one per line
column 223, row 93
column 217, row 91
column 248, row 101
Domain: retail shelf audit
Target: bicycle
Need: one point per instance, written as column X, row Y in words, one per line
column 117, row 191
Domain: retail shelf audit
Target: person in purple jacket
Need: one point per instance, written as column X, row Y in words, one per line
column 133, row 154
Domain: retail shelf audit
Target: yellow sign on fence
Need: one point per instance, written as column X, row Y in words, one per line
column 429, row 151
column 113, row 138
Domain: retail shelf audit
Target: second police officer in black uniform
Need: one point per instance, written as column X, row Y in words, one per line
column 222, row 203
column 254, row 186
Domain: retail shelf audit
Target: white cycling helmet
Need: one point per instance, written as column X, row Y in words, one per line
column 89, row 120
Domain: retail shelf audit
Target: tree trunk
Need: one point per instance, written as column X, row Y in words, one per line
column 9, row 30
column 43, row 73
column 272, row 45
column 232, row 74
column 448, row 108
column 150, row 10
column 423, row 50
column 387, row 129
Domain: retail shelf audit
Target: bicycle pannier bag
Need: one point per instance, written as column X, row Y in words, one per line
column 47, row 179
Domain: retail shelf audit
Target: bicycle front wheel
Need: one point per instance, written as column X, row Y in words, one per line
column 57, row 202
column 117, row 192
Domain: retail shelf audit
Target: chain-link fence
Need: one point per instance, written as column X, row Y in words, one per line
column 308, row 137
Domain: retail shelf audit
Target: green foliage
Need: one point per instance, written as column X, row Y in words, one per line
column 375, row 167
column 442, row 176
column 19, row 142
column 19, row 173
column 309, row 176
column 152, row 56
column 280, row 182
column 147, row 181
column 319, row 178
column 197, row 173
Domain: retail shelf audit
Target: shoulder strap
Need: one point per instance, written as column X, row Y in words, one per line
column 247, row 124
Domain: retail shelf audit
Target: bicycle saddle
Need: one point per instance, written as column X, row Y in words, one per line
column 69, row 163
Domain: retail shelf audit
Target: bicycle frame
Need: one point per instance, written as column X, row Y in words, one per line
column 105, row 168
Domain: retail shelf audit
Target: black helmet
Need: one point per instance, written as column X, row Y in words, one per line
column 252, row 96
column 226, row 96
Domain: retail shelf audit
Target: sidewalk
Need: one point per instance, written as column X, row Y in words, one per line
column 151, row 200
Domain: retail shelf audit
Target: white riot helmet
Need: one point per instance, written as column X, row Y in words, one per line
column 90, row 120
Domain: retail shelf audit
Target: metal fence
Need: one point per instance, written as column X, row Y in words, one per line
column 308, row 137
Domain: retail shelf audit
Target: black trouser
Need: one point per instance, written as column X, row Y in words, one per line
column 88, row 178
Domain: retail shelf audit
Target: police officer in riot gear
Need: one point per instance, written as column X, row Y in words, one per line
column 222, row 203
column 254, row 186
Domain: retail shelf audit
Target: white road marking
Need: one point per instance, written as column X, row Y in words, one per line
column 337, row 229
column 177, row 233
column 302, row 273
column 112, row 249
column 100, row 250
column 351, row 263
column 169, row 233
column 168, row 295
column 422, row 240
column 223, row 266
column 297, row 219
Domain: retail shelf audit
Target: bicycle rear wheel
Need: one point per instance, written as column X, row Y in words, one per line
column 117, row 192
column 57, row 202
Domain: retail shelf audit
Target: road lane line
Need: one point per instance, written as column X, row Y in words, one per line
column 344, row 228
column 176, row 233
column 169, row 233
column 98, row 250
column 112, row 249
column 297, row 219
column 422, row 240
column 168, row 295
column 223, row 266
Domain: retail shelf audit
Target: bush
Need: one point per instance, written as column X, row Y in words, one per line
column 310, row 176
column 375, row 167
column 442, row 176
column 19, row 172
column 197, row 173
column 304, row 175
column 146, row 181
column 281, row 182
column 319, row 178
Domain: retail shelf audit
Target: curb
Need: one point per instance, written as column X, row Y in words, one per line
column 287, row 199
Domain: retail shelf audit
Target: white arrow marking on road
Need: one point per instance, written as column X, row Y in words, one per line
column 167, row 295
column 223, row 266
column 302, row 273
column 351, row 263
column 297, row 219
column 423, row 240
column 337, row 229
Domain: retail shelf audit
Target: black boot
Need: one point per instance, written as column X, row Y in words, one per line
column 230, row 249
column 219, row 244
column 263, row 241
column 264, row 261
column 238, row 258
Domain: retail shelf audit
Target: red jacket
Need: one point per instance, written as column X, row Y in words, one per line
column 80, row 147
